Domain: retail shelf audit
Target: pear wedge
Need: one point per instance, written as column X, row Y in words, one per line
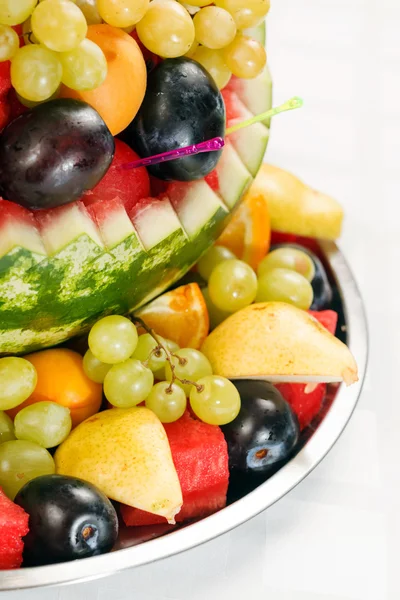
column 296, row 208
column 126, row 454
column 278, row 342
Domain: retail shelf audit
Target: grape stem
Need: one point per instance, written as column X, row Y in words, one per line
column 170, row 355
column 29, row 34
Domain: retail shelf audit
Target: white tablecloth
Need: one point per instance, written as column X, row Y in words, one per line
column 336, row 536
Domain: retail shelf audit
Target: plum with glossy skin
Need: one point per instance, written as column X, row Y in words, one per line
column 182, row 106
column 265, row 432
column 53, row 153
column 68, row 519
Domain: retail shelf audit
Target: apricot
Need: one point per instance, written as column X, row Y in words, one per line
column 119, row 97
column 61, row 379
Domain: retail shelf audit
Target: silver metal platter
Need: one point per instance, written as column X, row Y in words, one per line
column 139, row 546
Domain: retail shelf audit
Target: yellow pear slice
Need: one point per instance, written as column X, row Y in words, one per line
column 296, row 208
column 278, row 342
column 126, row 454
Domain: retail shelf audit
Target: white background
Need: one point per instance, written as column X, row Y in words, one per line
column 336, row 536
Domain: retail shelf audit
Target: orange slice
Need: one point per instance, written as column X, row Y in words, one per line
column 248, row 234
column 180, row 315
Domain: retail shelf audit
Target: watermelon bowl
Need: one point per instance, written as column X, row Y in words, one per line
column 138, row 546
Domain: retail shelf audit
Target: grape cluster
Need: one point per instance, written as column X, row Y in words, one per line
column 56, row 51
column 128, row 365
column 284, row 275
column 24, row 442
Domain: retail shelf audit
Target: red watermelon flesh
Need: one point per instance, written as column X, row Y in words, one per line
column 200, row 456
column 306, row 399
column 327, row 318
column 5, row 86
column 129, row 185
column 13, row 526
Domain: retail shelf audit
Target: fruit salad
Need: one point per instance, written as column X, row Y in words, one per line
column 167, row 324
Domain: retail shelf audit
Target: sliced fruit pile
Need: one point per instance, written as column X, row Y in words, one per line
column 82, row 235
column 153, row 414
column 184, row 410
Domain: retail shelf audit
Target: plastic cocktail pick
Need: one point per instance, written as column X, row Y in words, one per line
column 215, row 143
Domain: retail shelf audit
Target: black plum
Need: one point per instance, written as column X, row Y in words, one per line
column 182, row 106
column 265, row 432
column 53, row 153
column 322, row 289
column 68, row 519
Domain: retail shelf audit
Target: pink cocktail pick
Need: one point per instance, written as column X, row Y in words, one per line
column 208, row 146
column 215, row 143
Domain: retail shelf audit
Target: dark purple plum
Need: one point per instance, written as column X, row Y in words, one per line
column 53, row 153
column 322, row 289
column 182, row 106
column 68, row 519
column 265, row 432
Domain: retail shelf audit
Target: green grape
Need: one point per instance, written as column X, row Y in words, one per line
column 45, row 423
column 6, row 428
column 14, row 12
column 288, row 258
column 128, row 384
column 214, row 27
column 166, row 29
column 21, row 461
column 189, row 364
column 245, row 57
column 36, row 72
column 9, row 42
column 232, row 285
column 172, row 346
column 214, row 62
column 113, row 339
column 94, row 368
column 31, row 104
column 192, row 49
column 284, row 285
column 213, row 257
column 167, row 401
column 218, row 403
column 85, row 67
column 59, row 24
column 122, row 13
column 90, row 10
column 246, row 13
column 145, row 352
column 216, row 315
column 18, row 380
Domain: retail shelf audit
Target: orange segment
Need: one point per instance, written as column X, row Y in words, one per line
column 248, row 234
column 61, row 379
column 180, row 315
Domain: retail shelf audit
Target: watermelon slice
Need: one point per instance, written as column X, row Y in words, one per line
column 200, row 455
column 13, row 526
column 306, row 399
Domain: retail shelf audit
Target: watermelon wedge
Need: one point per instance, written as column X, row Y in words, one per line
column 13, row 526
column 62, row 269
column 200, row 455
